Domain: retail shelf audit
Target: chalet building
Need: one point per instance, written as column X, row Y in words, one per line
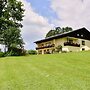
column 77, row 40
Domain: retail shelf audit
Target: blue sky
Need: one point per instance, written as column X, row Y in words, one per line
column 43, row 8
column 43, row 15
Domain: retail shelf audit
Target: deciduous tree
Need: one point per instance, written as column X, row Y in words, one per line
column 57, row 31
column 11, row 15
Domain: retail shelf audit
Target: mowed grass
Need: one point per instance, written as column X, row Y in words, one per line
column 66, row 71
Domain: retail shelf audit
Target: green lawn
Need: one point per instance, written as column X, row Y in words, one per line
column 66, row 71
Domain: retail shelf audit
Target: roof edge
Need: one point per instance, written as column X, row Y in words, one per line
column 60, row 35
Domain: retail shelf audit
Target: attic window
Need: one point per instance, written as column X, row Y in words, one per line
column 77, row 34
column 82, row 35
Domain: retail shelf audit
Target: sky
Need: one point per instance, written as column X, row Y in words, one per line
column 44, row 15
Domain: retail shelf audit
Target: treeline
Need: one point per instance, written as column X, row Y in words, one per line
column 58, row 30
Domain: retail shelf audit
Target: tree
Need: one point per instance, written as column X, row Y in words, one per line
column 50, row 33
column 67, row 29
column 12, row 38
column 32, row 52
column 11, row 15
column 53, row 32
column 57, row 31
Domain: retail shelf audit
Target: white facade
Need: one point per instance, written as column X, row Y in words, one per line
column 74, row 44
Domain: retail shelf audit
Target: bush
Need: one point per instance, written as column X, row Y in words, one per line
column 16, row 52
column 2, row 54
column 32, row 52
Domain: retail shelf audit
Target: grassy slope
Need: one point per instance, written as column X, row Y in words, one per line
column 69, row 71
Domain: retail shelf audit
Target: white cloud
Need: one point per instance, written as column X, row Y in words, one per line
column 35, row 26
column 74, row 13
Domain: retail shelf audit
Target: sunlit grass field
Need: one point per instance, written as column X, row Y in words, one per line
column 66, row 71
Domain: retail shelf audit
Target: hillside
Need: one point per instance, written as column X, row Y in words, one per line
column 66, row 71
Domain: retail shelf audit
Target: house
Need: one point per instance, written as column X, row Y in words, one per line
column 77, row 40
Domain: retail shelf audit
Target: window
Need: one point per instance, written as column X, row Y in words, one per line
column 77, row 34
column 82, row 35
column 46, row 44
column 42, row 45
column 48, row 51
column 83, row 49
column 49, row 43
column 44, row 51
column 83, row 42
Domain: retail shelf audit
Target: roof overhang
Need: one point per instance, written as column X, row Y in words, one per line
column 69, row 34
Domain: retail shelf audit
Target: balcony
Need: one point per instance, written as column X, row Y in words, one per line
column 48, row 46
column 71, row 44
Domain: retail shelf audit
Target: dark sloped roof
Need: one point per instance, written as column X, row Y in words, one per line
column 83, row 33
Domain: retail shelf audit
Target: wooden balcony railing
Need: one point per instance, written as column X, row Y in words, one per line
column 71, row 44
column 48, row 46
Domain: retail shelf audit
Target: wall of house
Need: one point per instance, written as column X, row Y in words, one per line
column 79, row 41
column 72, row 48
column 44, row 50
column 44, row 43
column 87, row 42
column 61, row 42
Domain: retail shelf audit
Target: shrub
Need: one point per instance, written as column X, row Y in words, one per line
column 32, row 52
column 14, row 51
column 2, row 54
